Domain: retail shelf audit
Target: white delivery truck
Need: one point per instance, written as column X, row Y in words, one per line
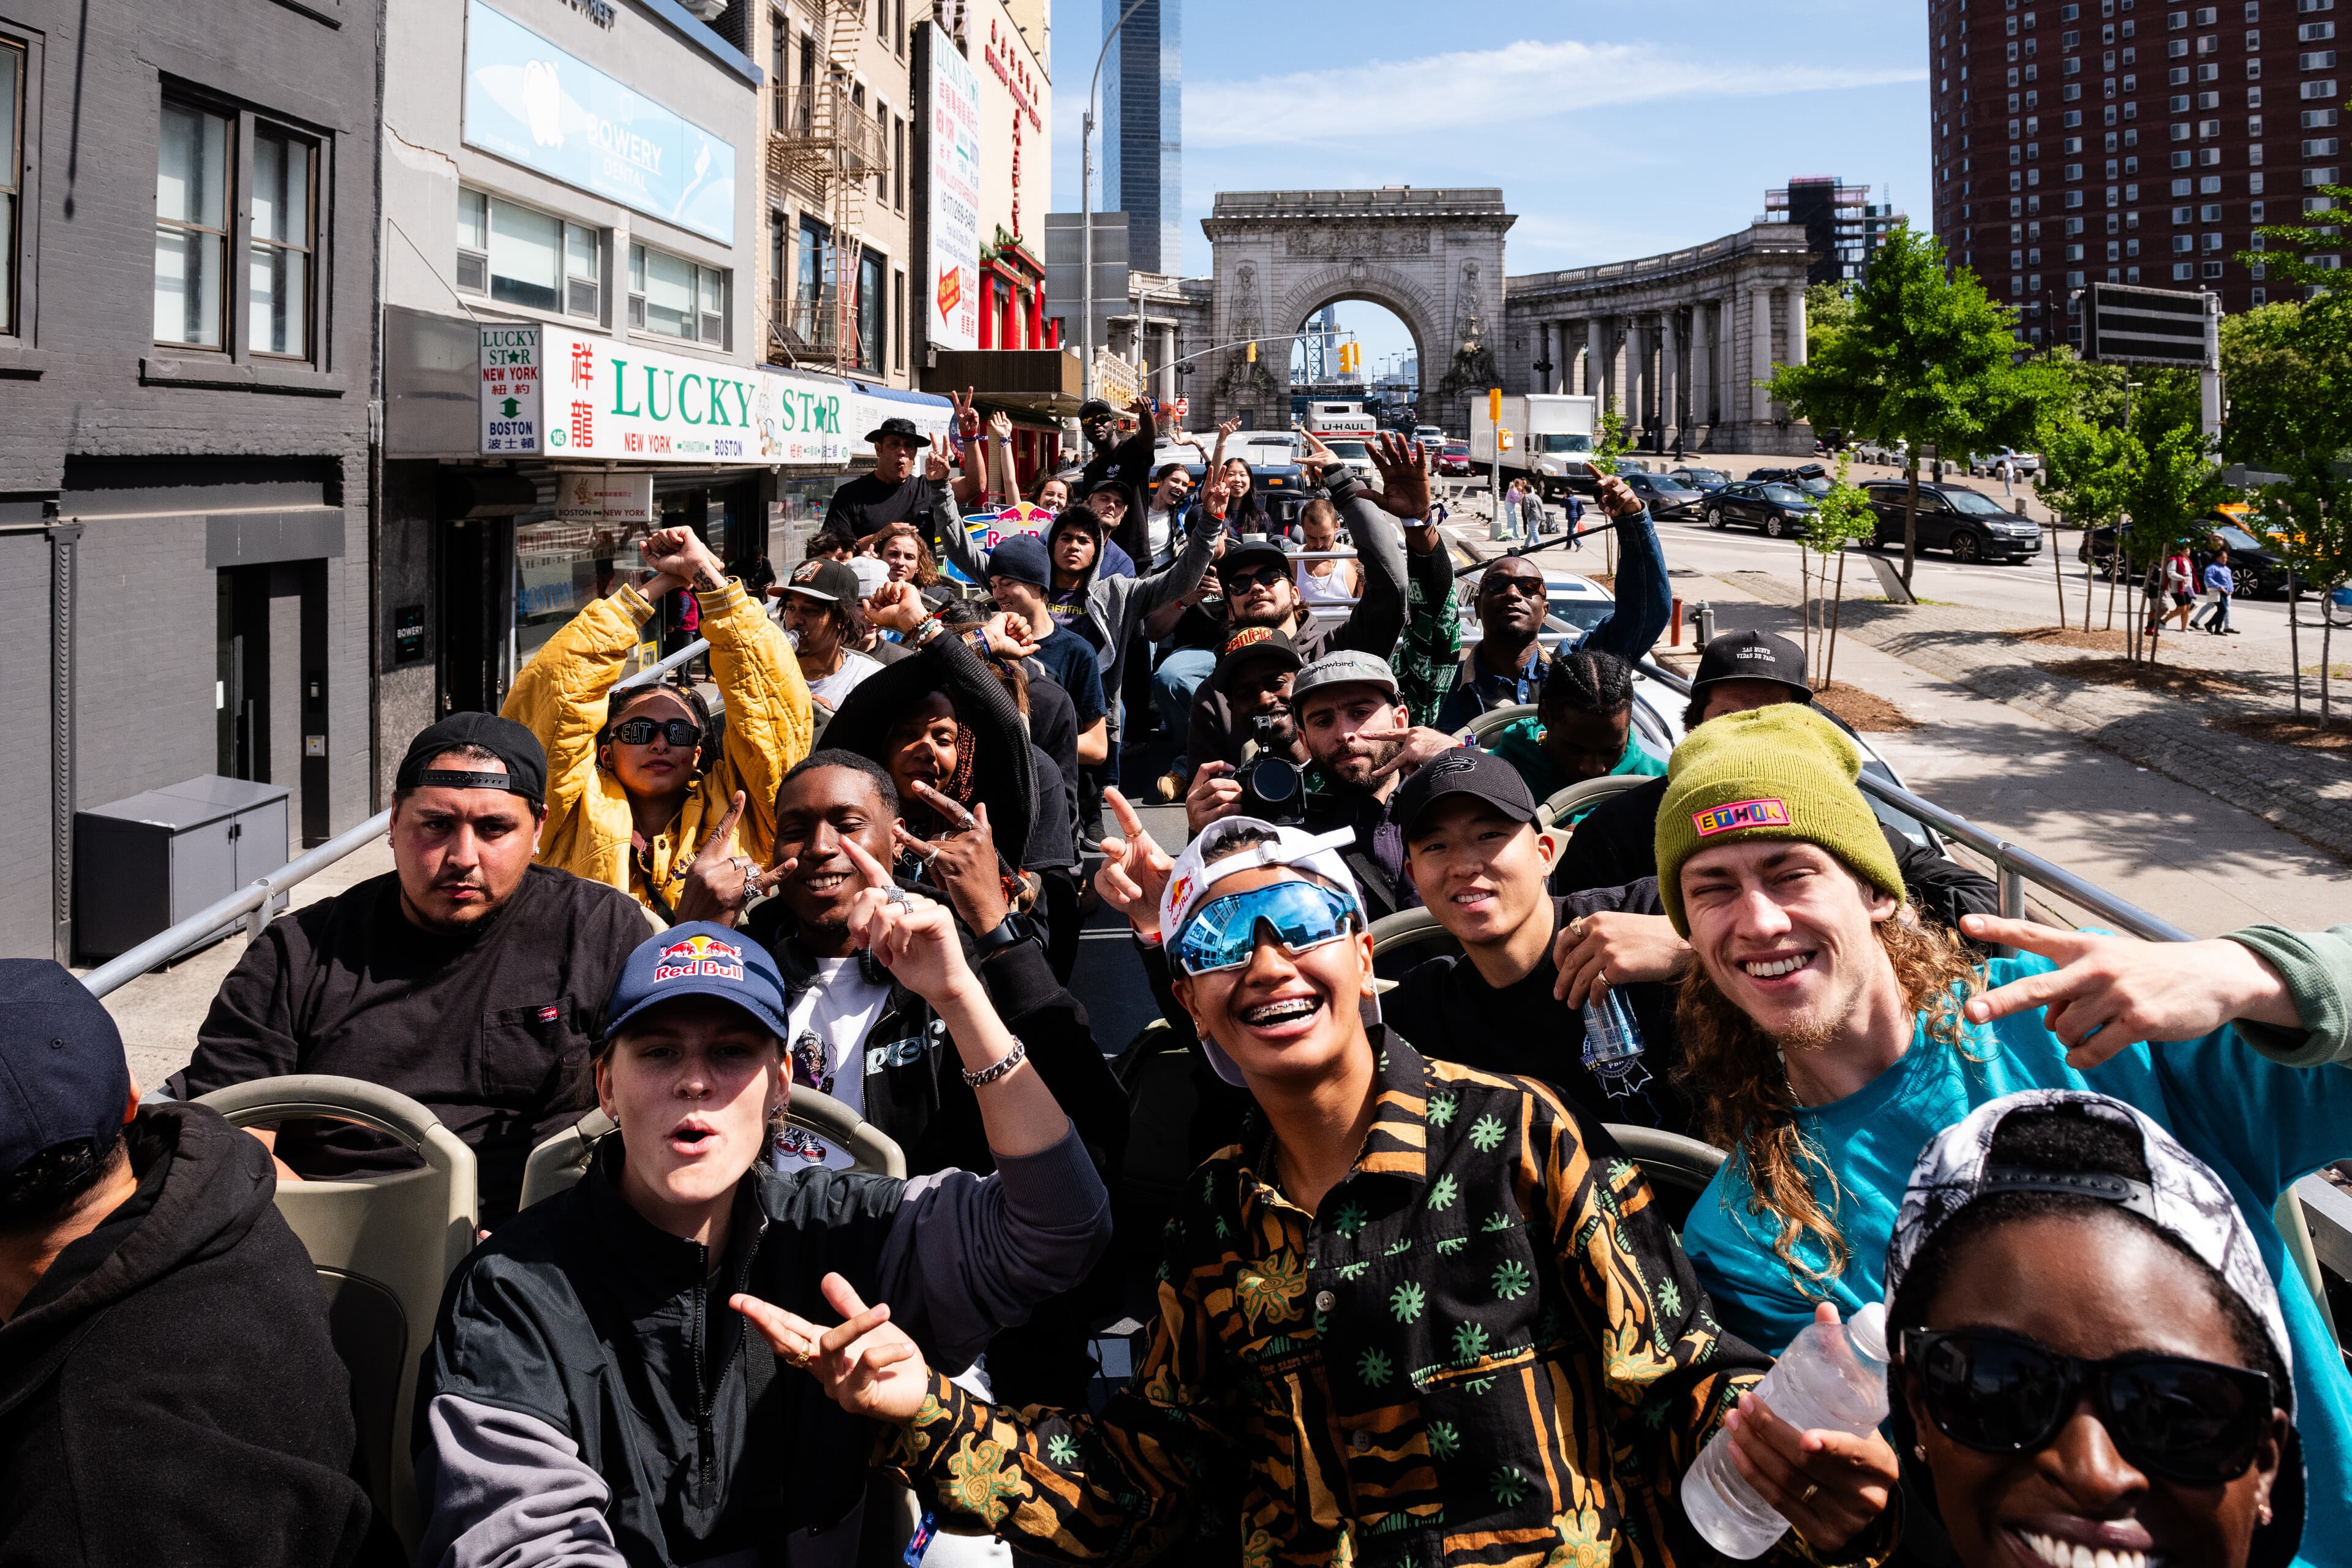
column 1550, row 439
column 1325, row 417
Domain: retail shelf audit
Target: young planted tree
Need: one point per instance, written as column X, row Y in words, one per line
column 2084, row 467
column 1928, row 358
column 1841, row 518
column 2171, row 489
column 2290, row 370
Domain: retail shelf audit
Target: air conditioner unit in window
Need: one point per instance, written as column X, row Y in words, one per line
column 713, row 327
column 637, row 312
column 580, row 296
column 473, row 272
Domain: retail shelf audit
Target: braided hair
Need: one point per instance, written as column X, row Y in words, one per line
column 1588, row 680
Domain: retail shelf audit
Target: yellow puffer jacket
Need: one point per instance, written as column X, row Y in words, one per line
column 561, row 695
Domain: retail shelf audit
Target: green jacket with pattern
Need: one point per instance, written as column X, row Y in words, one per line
column 1484, row 1347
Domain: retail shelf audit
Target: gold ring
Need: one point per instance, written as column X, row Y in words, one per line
column 1809, row 1490
column 798, row 1361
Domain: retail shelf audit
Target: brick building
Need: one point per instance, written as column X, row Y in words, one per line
column 188, row 204
column 2128, row 141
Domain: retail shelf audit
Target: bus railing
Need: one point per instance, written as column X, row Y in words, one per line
column 260, row 901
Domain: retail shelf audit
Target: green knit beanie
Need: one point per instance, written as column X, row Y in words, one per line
column 1783, row 771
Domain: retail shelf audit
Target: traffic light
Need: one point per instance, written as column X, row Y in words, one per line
column 1350, row 358
column 1493, row 405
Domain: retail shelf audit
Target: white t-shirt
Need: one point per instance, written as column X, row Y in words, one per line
column 855, row 666
column 825, row 1032
column 1159, row 524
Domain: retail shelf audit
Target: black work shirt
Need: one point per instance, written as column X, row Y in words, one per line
column 1446, row 1008
column 865, row 505
column 489, row 1030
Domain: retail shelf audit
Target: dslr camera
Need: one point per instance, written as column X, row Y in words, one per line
column 1274, row 789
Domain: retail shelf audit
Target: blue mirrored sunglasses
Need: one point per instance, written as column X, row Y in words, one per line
column 1222, row 933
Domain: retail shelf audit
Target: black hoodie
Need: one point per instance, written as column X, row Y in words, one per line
column 168, row 1392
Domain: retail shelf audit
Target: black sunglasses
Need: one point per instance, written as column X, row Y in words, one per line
column 1258, row 577
column 1526, row 587
column 641, row 732
column 2194, row 1421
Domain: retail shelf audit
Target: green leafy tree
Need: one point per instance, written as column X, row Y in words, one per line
column 2085, row 478
column 1929, row 358
column 1841, row 518
column 2170, row 491
column 1829, row 310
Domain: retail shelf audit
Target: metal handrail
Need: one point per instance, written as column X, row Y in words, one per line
column 654, row 672
column 2014, row 867
column 251, row 903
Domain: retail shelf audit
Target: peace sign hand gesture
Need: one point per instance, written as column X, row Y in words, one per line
column 719, row 882
column 967, row 417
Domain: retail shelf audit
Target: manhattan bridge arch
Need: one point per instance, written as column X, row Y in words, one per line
column 1675, row 344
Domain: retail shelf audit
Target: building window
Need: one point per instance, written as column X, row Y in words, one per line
column 873, row 351
column 12, row 179
column 520, row 256
column 675, row 298
column 278, row 260
column 192, row 181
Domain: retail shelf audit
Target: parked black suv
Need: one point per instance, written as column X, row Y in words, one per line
column 1972, row 525
column 1810, row 477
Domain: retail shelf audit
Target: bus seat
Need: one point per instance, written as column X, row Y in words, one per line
column 560, row 1159
column 384, row 1246
column 1494, row 718
column 1584, row 794
column 1678, row 1168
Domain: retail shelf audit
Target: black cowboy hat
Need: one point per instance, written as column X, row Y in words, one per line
column 898, row 427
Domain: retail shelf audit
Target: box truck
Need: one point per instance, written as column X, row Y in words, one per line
column 1550, row 436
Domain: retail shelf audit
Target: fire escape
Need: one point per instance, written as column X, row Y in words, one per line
column 826, row 148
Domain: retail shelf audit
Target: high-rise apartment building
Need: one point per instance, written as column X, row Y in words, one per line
column 2127, row 140
column 1143, row 131
column 1843, row 227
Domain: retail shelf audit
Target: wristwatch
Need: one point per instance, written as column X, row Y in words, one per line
column 1009, row 932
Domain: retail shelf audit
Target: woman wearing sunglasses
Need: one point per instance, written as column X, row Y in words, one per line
column 2091, row 1365
column 1417, row 1314
column 630, row 802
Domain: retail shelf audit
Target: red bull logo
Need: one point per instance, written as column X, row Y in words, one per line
column 1738, row 814
column 699, row 955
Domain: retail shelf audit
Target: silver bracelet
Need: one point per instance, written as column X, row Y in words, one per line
column 999, row 1067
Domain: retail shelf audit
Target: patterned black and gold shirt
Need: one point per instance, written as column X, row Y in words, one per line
column 1483, row 1347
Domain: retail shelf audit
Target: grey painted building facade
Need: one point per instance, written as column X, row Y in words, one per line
column 1143, row 131
column 186, row 360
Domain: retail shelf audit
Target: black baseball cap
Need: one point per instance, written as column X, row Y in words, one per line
column 1251, row 644
column 511, row 742
column 1752, row 656
column 63, row 1076
column 1254, row 552
column 1095, row 408
column 898, row 427
column 1465, row 770
column 834, row 582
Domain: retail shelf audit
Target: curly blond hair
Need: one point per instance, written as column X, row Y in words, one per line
column 1732, row 1073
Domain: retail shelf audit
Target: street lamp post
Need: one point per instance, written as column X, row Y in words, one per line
column 1087, row 206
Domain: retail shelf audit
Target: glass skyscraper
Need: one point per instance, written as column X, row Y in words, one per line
column 1143, row 132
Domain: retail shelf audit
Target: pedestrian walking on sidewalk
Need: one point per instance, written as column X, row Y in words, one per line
column 2220, row 585
column 2180, row 582
column 1510, row 520
column 2008, row 476
column 1531, row 515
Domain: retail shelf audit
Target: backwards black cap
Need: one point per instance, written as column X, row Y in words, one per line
column 511, row 742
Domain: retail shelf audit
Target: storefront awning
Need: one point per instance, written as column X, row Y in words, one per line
column 1044, row 382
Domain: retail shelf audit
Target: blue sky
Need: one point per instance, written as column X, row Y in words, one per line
column 1616, row 128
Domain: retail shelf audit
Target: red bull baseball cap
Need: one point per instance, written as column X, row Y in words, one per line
column 700, row 959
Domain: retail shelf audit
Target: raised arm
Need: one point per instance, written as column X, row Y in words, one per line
column 949, row 537
column 972, row 485
column 1182, row 576
column 560, row 695
column 1644, row 600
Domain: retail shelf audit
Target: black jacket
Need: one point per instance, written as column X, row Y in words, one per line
column 1618, row 843
column 168, row 1392
column 1444, row 1006
column 489, row 1030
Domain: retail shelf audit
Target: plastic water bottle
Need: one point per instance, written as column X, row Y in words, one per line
column 1614, row 1045
column 1832, row 1377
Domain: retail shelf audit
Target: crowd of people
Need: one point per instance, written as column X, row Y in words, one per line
column 1414, row 1303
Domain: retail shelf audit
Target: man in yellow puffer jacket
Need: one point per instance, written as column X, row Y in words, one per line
column 633, row 813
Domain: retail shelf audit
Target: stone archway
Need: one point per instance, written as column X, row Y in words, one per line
column 1434, row 257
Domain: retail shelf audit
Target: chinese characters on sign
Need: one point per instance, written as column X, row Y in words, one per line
column 954, row 294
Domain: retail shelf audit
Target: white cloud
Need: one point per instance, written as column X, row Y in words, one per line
column 1512, row 86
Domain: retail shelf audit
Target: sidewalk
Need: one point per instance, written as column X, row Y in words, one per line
column 2307, row 793
column 2165, row 844
column 159, row 1012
